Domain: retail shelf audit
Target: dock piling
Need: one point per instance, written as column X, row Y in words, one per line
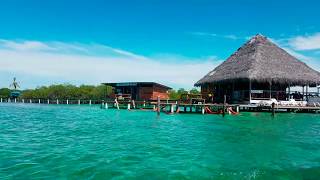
column 158, row 105
column 133, row 104
column 91, row 103
column 117, row 103
column 22, row 101
column 67, row 101
column 224, row 105
column 273, row 110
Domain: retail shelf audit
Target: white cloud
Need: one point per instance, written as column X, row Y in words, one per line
column 311, row 42
column 93, row 63
column 284, row 45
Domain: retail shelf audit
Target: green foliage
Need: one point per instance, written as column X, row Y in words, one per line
column 173, row 94
column 194, row 91
column 4, row 93
column 68, row 91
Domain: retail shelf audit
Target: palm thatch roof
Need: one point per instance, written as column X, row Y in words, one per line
column 261, row 60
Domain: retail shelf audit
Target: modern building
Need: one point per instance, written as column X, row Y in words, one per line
column 258, row 70
column 139, row 90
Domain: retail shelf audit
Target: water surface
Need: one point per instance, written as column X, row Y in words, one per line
column 71, row 141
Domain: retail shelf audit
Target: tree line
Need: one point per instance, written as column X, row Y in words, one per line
column 68, row 91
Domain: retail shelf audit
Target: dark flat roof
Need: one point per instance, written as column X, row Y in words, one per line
column 120, row 84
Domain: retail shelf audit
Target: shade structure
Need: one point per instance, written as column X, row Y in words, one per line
column 260, row 60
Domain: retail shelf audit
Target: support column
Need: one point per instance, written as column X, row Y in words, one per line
column 270, row 90
column 171, row 108
column 158, row 105
column 302, row 92
column 307, row 98
column 289, row 92
column 249, row 90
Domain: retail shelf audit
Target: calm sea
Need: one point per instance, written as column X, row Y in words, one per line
column 77, row 142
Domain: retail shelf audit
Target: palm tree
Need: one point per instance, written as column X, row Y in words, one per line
column 14, row 84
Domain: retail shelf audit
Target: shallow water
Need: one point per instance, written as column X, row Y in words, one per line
column 71, row 141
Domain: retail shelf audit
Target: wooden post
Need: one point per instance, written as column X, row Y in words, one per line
column 79, row 102
column 57, row 101
column 117, row 103
column 158, row 105
column 91, row 103
column 307, row 98
column 15, row 100
column 202, row 109
column 48, row 101
column 133, row 104
column 302, row 93
column 289, row 90
column 129, row 106
column 22, row 100
column 171, row 108
column 144, row 103
column 1, row 100
column 224, row 104
column 39, row 101
column 30, row 101
column 67, row 101
column 106, row 105
column 237, row 109
column 270, row 90
column 249, row 91
column 273, row 110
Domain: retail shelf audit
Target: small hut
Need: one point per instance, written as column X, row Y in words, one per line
column 258, row 70
column 139, row 90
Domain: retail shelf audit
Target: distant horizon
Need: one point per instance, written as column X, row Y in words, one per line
column 174, row 43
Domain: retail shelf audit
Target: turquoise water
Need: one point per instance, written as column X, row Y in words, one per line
column 70, row 141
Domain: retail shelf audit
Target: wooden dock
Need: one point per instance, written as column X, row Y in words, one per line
column 172, row 106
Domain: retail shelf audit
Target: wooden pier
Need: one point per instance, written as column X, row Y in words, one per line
column 172, row 106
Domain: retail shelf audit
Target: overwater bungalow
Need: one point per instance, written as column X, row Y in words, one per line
column 259, row 70
column 139, row 90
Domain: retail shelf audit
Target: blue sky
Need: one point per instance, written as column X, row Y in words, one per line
column 173, row 42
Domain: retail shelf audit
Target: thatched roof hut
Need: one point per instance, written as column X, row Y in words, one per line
column 262, row 61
